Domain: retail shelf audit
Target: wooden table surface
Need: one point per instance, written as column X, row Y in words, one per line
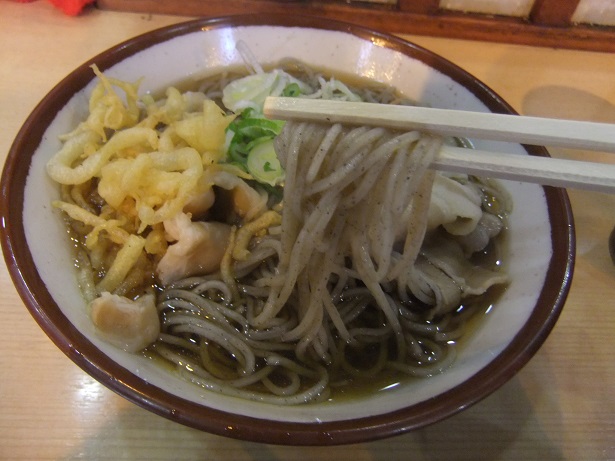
column 560, row 406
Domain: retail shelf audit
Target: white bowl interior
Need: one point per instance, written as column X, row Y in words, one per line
column 203, row 52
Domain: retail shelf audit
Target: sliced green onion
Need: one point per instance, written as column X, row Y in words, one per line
column 292, row 90
column 263, row 163
column 246, row 132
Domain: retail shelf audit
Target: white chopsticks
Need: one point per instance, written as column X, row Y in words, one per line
column 547, row 171
column 497, row 127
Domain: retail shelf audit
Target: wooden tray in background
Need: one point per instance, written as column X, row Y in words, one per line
column 549, row 23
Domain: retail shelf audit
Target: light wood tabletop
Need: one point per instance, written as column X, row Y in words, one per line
column 561, row 406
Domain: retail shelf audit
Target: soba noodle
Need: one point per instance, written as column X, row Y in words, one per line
column 326, row 298
column 366, row 267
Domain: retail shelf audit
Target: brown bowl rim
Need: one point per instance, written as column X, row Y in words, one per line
column 81, row 351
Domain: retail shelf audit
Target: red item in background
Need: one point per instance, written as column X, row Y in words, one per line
column 70, row 7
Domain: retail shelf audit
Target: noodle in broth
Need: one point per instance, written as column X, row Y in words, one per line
column 364, row 269
column 298, row 304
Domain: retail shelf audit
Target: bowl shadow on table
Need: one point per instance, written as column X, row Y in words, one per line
column 565, row 102
column 505, row 425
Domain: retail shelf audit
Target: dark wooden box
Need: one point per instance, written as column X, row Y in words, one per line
column 548, row 24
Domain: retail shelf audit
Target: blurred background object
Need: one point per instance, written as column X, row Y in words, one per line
column 572, row 24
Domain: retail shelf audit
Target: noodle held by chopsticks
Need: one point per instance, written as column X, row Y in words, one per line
column 353, row 220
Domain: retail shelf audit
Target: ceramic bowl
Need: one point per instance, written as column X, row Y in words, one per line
column 39, row 258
